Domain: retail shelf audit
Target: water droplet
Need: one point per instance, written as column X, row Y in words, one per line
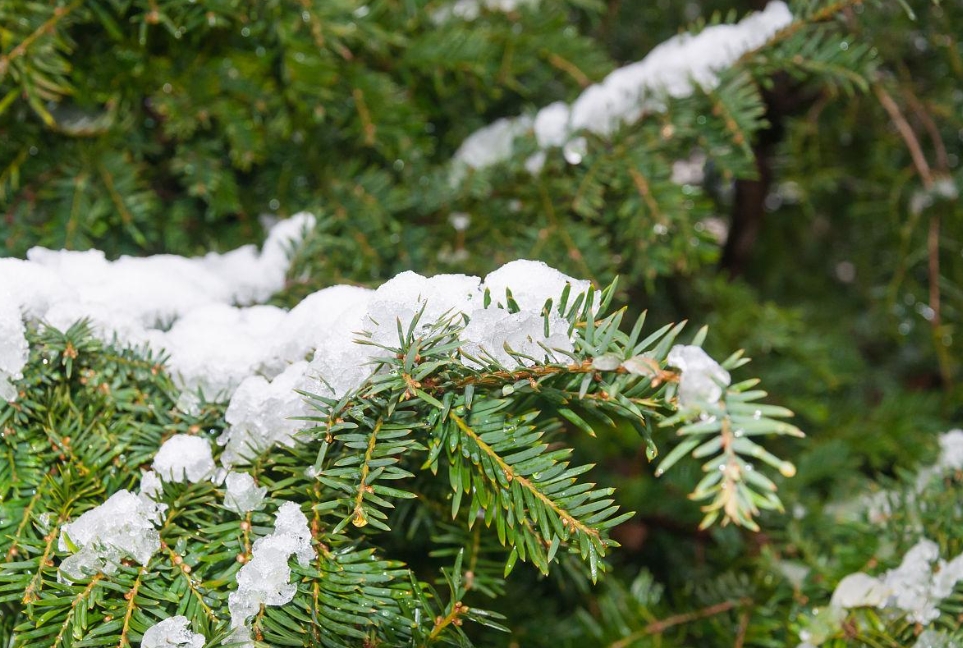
column 739, row 433
column 575, row 150
column 757, row 415
column 659, row 472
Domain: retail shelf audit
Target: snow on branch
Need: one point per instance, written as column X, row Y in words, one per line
column 672, row 69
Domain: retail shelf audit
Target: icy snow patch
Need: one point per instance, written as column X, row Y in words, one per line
column 121, row 527
column 859, row 589
column 13, row 346
column 933, row 639
column 243, row 495
column 172, row 633
column 151, row 487
column 915, row 587
column 261, row 414
column 184, row 457
column 702, row 379
column 265, row 580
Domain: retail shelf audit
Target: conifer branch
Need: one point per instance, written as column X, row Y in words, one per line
column 46, row 28
column 511, row 475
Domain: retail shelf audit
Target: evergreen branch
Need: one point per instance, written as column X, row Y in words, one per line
column 59, row 13
column 642, row 186
column 452, row 617
column 84, row 594
column 32, row 593
column 360, row 519
column 367, row 126
column 131, row 597
column 25, row 520
column 115, row 197
column 568, row 67
column 512, row 476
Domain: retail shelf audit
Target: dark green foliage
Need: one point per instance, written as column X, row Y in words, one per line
column 145, row 126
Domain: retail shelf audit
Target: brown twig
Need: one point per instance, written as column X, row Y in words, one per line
column 660, row 626
column 906, row 132
column 933, row 235
column 939, row 148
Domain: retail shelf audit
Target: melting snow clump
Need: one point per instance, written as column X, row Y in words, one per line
column 915, row 589
column 265, row 580
column 933, row 639
column 243, row 495
column 951, row 450
column 172, row 633
column 121, row 527
column 184, row 457
column 702, row 380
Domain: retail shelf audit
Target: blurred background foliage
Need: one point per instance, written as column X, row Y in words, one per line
column 824, row 235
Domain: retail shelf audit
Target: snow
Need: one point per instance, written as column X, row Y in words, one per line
column 933, row 639
column 121, row 527
column 265, row 579
column 915, row 588
column 470, row 9
column 184, row 307
column 951, row 451
column 531, row 284
column 702, row 379
column 673, row 69
column 690, row 171
column 491, row 144
column 491, row 330
column 551, row 125
column 243, row 495
column 332, row 311
column 213, row 348
column 172, row 633
column 260, row 415
column 184, row 457
column 151, row 488
column 857, row 590
column 13, row 346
